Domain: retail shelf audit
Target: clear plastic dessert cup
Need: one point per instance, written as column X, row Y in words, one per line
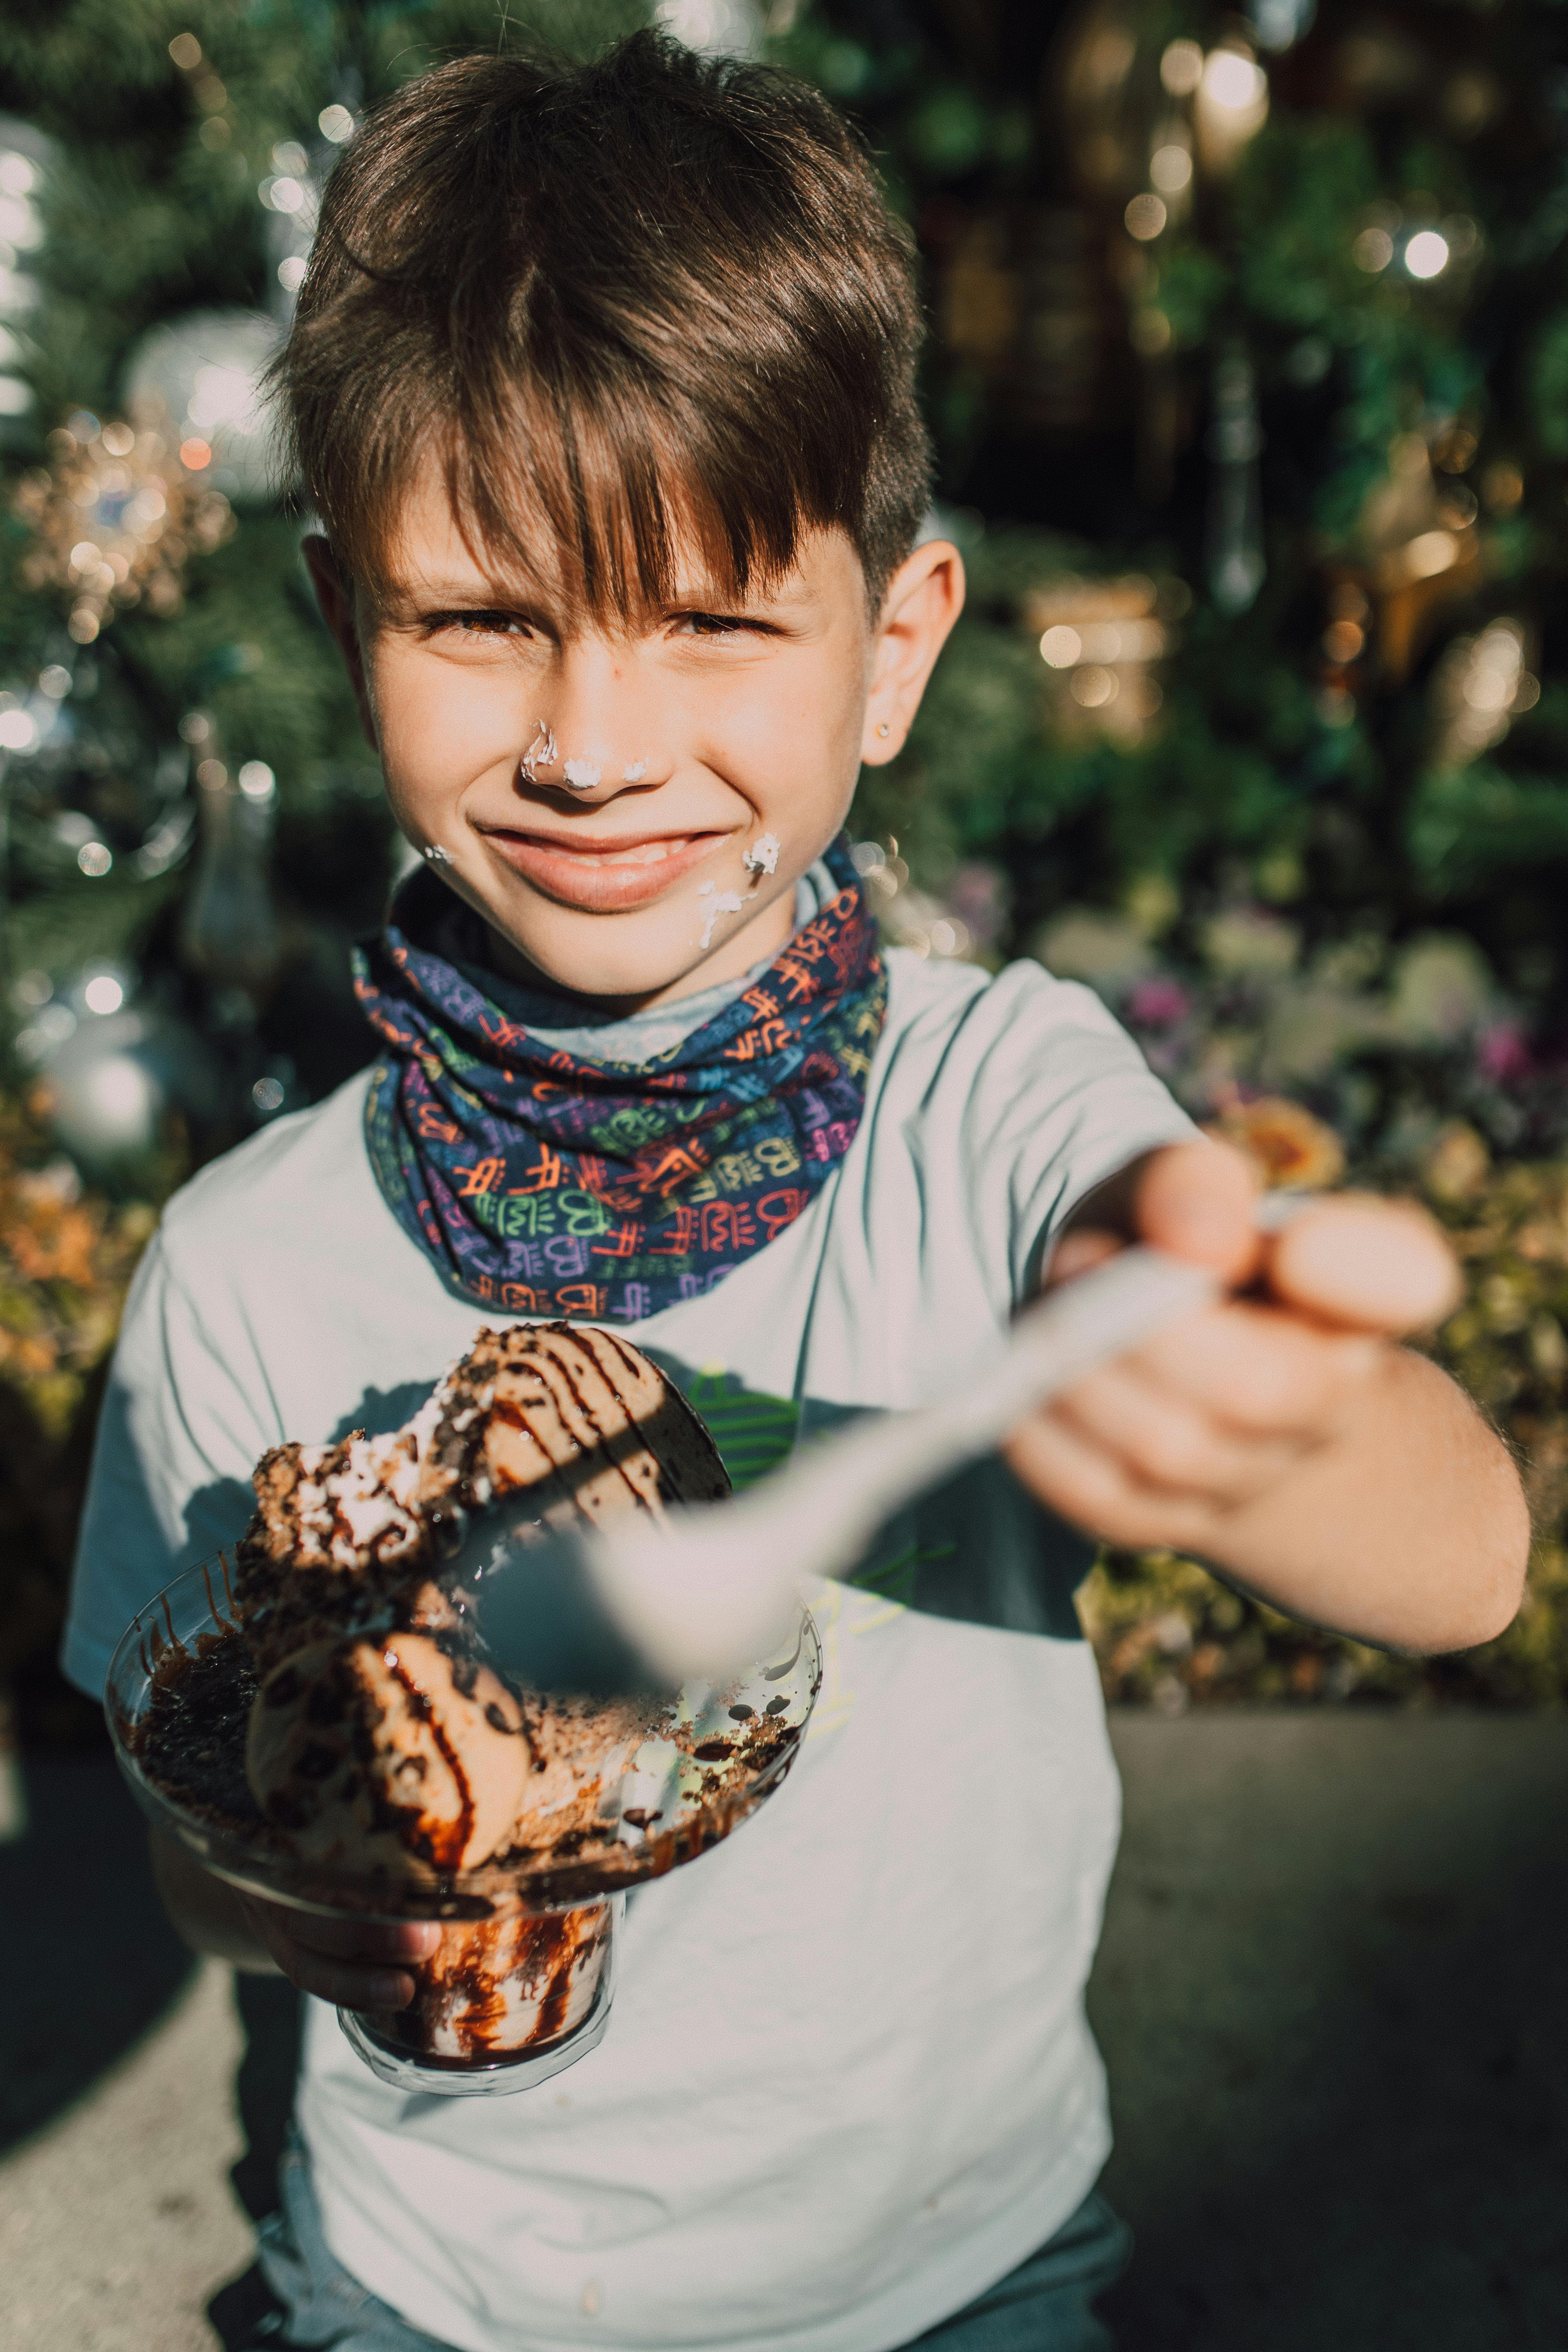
column 502, row 2003
column 521, row 1982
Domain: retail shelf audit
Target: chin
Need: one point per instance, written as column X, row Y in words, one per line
column 631, row 956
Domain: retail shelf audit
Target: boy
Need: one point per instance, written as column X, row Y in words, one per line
column 603, row 387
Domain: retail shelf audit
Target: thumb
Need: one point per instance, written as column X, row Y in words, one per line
column 1197, row 1201
column 1369, row 1264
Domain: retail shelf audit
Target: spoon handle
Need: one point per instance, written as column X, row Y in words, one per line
column 835, row 1496
column 708, row 1586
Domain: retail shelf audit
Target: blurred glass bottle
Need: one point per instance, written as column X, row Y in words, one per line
column 230, row 931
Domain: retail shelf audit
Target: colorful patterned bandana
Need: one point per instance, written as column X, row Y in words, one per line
column 543, row 1183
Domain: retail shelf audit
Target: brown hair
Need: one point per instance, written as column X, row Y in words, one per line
column 654, row 295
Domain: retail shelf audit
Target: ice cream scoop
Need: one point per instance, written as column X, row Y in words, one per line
column 388, row 1749
column 378, row 1732
column 571, row 1422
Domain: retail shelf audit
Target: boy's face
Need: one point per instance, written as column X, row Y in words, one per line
column 631, row 808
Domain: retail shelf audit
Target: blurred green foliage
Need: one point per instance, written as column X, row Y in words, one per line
column 1275, row 775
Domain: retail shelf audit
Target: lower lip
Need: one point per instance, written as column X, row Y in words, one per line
column 600, row 889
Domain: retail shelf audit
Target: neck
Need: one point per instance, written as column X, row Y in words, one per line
column 767, row 931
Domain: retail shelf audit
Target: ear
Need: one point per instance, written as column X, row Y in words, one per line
column 924, row 598
column 335, row 595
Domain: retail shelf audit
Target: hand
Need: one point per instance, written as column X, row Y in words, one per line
column 1172, row 1443
column 352, row 1963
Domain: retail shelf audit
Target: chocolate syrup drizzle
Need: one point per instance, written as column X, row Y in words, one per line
column 441, row 1843
column 495, row 1957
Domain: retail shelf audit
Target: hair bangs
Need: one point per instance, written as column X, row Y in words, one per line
column 649, row 315
column 592, row 487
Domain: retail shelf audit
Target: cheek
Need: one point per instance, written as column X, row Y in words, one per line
column 434, row 740
column 791, row 734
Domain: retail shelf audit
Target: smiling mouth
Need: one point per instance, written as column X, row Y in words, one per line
column 630, row 852
column 601, row 876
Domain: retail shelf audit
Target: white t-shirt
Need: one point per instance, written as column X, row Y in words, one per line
column 848, row 2083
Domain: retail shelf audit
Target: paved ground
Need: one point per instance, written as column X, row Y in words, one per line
column 1332, row 1996
column 117, row 2221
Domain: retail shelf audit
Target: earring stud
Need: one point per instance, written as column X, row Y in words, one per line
column 883, row 729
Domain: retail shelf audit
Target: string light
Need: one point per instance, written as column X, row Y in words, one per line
column 21, row 232
column 1181, row 67
column 1230, row 106
column 1427, row 255
column 1233, row 82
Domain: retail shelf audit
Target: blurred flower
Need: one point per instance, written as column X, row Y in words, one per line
column 1457, row 1164
column 1247, row 939
column 1503, row 1053
column 1442, row 988
column 1082, row 943
column 1308, row 1029
column 1284, row 1142
column 1157, row 1003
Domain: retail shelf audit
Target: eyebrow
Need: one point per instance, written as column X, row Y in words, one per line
column 408, row 599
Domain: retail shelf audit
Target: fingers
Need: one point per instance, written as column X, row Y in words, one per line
column 1365, row 1264
column 1161, row 1445
column 1080, row 1251
column 1196, row 1199
column 352, row 1963
column 1259, row 1370
column 1083, row 1482
column 1377, row 1266
column 1163, row 1441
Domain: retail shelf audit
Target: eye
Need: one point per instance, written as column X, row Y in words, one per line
column 720, row 624
column 478, row 623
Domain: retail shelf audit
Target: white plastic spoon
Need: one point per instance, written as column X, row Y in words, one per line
column 708, row 1588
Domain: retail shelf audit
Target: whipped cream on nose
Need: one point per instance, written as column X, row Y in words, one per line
column 542, row 752
column 582, row 775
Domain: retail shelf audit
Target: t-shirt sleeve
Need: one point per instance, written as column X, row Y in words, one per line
column 1057, row 1096
column 170, row 1469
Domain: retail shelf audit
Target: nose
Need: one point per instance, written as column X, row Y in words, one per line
column 596, row 733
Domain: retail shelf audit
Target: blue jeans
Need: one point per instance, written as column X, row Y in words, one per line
column 1045, row 2305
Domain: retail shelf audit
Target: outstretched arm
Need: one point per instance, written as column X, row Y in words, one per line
column 1282, row 1436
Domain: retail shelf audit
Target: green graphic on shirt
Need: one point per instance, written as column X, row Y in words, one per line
column 897, row 1579
column 976, row 1548
column 753, row 1433
column 756, row 1434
